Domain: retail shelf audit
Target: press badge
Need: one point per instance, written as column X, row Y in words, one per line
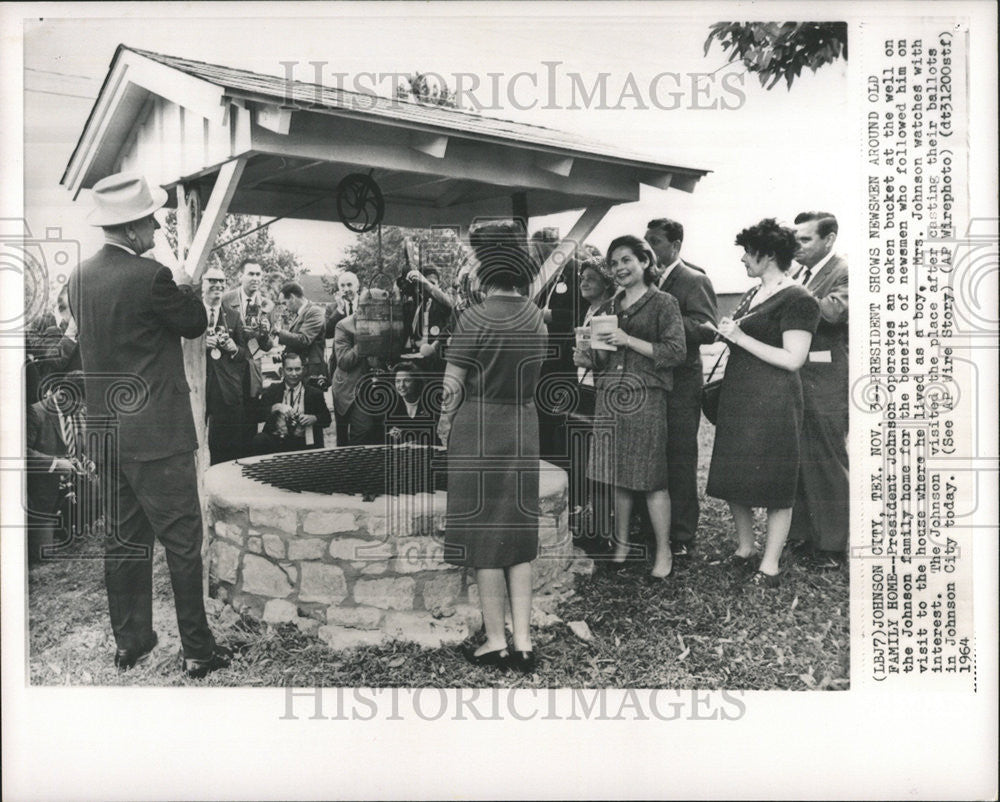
column 820, row 356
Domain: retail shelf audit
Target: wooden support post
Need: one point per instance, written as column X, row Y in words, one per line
column 519, row 208
column 201, row 235
column 586, row 223
column 211, row 219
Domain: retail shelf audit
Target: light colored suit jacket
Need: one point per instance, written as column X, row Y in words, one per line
column 825, row 373
column 350, row 367
column 255, row 379
column 307, row 337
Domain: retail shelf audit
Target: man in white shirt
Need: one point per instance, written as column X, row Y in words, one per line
column 252, row 309
column 225, row 366
column 696, row 298
column 821, row 516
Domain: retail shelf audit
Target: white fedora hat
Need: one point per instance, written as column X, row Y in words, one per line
column 122, row 198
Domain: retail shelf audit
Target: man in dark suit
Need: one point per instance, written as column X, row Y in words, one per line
column 225, row 367
column 696, row 297
column 56, row 462
column 306, row 335
column 253, row 311
column 131, row 315
column 295, row 414
column 821, row 516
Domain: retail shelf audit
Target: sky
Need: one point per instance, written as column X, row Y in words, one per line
column 772, row 153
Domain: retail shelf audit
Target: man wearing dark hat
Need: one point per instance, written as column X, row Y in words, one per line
column 131, row 316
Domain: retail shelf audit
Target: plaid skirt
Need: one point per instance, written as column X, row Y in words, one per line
column 629, row 448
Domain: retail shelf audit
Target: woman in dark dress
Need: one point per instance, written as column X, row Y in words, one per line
column 632, row 386
column 755, row 459
column 490, row 426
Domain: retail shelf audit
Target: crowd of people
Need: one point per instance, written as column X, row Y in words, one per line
column 622, row 332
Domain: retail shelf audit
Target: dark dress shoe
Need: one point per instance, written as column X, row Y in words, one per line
column 762, row 580
column 825, row 561
column 498, row 659
column 525, row 662
column 196, row 669
column 681, row 549
column 127, row 658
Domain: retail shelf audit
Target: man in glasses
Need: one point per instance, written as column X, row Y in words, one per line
column 226, row 357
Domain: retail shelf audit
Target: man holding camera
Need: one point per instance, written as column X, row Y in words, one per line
column 253, row 311
column 306, row 334
column 225, row 366
column 131, row 316
column 295, row 414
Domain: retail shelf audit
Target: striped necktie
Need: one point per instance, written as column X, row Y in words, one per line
column 67, row 424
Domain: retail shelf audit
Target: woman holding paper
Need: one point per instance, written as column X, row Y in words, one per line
column 633, row 352
column 755, row 459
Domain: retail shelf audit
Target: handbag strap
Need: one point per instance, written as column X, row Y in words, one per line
column 716, row 365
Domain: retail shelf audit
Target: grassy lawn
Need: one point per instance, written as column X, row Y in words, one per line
column 701, row 628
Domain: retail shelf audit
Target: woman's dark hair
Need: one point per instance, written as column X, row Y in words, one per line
column 769, row 238
column 597, row 265
column 641, row 250
column 502, row 252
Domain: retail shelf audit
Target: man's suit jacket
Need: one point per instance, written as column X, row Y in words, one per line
column 313, row 403
column 307, row 337
column 253, row 378
column 696, row 298
column 825, row 373
column 227, row 372
column 131, row 315
column 43, row 443
column 350, row 367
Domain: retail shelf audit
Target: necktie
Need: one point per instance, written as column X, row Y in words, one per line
column 68, row 434
column 211, row 319
column 350, row 308
column 246, row 312
column 806, row 275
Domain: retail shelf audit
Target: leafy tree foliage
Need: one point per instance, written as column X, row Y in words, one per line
column 776, row 50
column 425, row 88
column 279, row 264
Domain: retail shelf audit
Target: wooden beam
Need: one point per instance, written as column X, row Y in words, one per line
column 685, row 183
column 586, row 223
column 211, row 221
column 348, row 142
column 519, row 208
column 274, row 118
column 432, row 144
column 194, row 370
column 185, row 225
column 560, row 165
column 658, row 180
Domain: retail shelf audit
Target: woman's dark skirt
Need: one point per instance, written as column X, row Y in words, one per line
column 492, row 519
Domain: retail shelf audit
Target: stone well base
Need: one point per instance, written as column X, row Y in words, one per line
column 364, row 571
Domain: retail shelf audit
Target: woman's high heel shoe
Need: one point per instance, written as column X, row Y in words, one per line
column 524, row 661
column 496, row 659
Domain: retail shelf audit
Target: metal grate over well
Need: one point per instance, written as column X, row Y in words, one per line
column 369, row 471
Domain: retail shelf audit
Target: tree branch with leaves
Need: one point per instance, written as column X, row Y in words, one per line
column 776, row 50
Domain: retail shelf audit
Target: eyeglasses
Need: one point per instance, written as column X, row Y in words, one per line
column 216, row 280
